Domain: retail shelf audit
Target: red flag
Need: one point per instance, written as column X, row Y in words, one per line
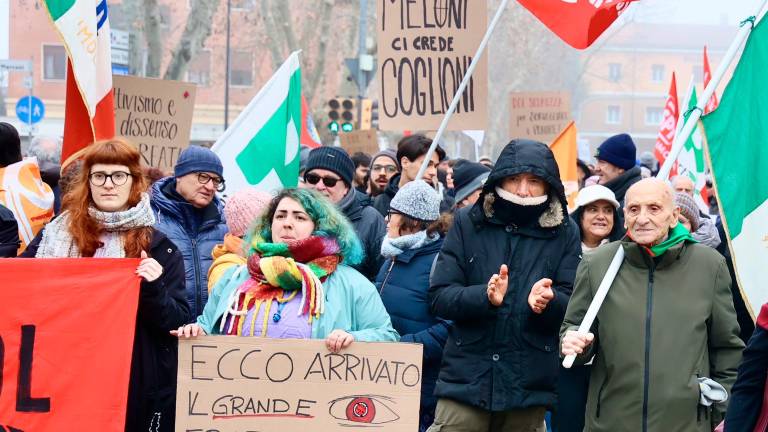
column 309, row 136
column 577, row 22
column 82, row 129
column 668, row 125
column 712, row 102
column 67, row 333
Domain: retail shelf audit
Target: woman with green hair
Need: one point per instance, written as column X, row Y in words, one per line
column 297, row 282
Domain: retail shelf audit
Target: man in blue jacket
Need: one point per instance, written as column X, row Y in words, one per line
column 190, row 215
column 504, row 276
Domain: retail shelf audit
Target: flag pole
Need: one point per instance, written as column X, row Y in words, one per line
column 460, row 90
column 677, row 146
column 730, row 55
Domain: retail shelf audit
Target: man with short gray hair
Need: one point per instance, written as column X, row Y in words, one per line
column 665, row 342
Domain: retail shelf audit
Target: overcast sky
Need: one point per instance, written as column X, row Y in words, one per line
column 695, row 11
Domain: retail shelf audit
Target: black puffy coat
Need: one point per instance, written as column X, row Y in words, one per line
column 506, row 357
column 162, row 307
column 403, row 282
column 381, row 202
column 370, row 228
column 9, row 233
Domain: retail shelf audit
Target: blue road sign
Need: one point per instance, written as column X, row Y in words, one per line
column 26, row 108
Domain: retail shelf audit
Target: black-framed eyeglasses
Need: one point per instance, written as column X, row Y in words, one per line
column 118, row 178
column 388, row 217
column 218, row 182
column 390, row 169
column 327, row 181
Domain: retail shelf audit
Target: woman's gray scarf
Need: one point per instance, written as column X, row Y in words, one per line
column 392, row 247
column 57, row 241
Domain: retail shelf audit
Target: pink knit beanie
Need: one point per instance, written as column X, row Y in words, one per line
column 243, row 207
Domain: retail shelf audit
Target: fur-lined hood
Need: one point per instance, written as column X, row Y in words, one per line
column 526, row 156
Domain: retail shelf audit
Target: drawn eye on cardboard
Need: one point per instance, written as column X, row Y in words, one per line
column 363, row 410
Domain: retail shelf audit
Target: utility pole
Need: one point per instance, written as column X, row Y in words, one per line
column 361, row 51
column 228, row 65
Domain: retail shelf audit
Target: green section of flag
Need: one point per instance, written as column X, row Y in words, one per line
column 691, row 159
column 736, row 135
column 57, row 8
column 690, row 145
column 266, row 150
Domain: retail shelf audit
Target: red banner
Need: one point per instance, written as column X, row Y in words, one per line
column 668, row 125
column 712, row 102
column 66, row 337
column 578, row 22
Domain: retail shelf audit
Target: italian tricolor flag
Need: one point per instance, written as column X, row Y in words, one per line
column 738, row 152
column 261, row 148
column 83, row 26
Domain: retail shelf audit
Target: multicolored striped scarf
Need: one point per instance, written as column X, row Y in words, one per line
column 279, row 271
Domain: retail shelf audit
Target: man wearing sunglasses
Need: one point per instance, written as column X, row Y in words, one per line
column 330, row 171
column 191, row 216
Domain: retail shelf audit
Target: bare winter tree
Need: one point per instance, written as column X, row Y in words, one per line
column 523, row 55
column 196, row 31
column 280, row 18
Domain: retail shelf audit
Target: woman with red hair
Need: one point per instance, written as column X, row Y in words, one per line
column 106, row 214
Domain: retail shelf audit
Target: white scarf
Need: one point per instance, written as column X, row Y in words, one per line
column 57, row 241
column 392, row 247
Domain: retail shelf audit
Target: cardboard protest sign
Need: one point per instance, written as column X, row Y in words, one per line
column 424, row 51
column 229, row 384
column 156, row 115
column 366, row 141
column 66, row 337
column 539, row 116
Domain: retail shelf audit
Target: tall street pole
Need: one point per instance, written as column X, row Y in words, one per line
column 228, row 62
column 361, row 51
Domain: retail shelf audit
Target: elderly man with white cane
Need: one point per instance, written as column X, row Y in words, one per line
column 665, row 341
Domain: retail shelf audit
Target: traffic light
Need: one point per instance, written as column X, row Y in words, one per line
column 375, row 114
column 365, row 114
column 341, row 115
column 334, row 126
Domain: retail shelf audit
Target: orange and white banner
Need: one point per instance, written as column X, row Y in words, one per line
column 23, row 191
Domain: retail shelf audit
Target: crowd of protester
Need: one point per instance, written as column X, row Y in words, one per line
column 483, row 263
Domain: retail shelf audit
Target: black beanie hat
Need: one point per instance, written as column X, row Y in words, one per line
column 10, row 145
column 332, row 159
column 468, row 177
column 618, row 150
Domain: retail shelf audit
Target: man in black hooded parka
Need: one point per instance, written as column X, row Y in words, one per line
column 504, row 277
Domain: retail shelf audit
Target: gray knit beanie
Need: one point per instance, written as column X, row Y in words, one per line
column 417, row 200
column 689, row 209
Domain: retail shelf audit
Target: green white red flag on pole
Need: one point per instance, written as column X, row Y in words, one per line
column 736, row 146
column 261, row 147
column 83, row 26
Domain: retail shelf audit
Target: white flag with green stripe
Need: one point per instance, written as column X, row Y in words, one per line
column 738, row 150
column 261, row 148
column 690, row 162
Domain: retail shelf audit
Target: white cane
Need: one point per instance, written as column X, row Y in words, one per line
column 594, row 307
